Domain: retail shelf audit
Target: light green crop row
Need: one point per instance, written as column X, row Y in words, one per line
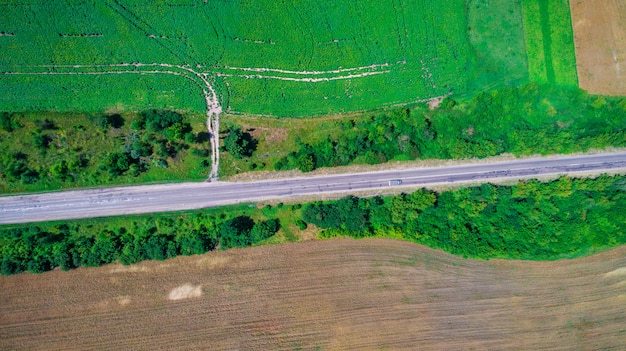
column 550, row 42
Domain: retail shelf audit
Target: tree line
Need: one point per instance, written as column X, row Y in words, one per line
column 529, row 220
column 39, row 248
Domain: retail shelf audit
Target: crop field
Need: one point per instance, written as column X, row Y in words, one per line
column 549, row 42
column 293, row 58
column 321, row 295
column 97, row 93
column 600, row 37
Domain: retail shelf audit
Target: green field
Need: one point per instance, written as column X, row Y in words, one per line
column 97, row 93
column 550, row 42
column 361, row 55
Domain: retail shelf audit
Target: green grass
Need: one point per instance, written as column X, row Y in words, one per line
column 550, row 42
column 496, row 34
column 97, row 93
column 425, row 44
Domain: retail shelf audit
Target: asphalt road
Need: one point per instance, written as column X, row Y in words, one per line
column 184, row 196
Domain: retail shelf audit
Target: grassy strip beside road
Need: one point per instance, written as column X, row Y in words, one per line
column 49, row 151
column 130, row 239
column 527, row 120
column 530, row 220
column 44, row 151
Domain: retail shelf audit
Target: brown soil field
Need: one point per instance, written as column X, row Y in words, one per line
column 600, row 40
column 322, row 295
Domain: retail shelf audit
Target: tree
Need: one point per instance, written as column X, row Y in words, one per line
column 117, row 163
column 157, row 121
column 306, row 162
column 196, row 242
column 239, row 144
column 236, row 232
column 10, row 266
column 264, row 229
column 177, row 130
column 41, row 141
column 353, row 217
column 59, row 170
column 106, row 121
column 140, row 149
column 301, row 224
column 46, row 124
column 7, row 122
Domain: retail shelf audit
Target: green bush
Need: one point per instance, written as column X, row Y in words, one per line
column 107, row 121
column 158, row 121
column 239, row 144
column 531, row 220
column 7, row 122
column 117, row 163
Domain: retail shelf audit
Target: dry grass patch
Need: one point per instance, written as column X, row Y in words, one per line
column 600, row 38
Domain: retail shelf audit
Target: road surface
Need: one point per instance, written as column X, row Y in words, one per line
column 185, row 196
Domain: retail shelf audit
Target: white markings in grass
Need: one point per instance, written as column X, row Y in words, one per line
column 309, row 80
column 275, row 70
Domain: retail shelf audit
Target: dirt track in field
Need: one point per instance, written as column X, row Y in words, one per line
column 321, row 295
column 600, row 39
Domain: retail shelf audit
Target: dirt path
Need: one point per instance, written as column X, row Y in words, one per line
column 309, row 79
column 321, row 295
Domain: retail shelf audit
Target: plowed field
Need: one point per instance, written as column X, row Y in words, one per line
column 600, row 38
column 321, row 295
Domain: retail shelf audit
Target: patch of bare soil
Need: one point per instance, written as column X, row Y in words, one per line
column 270, row 135
column 322, row 295
column 185, row 291
column 600, row 39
